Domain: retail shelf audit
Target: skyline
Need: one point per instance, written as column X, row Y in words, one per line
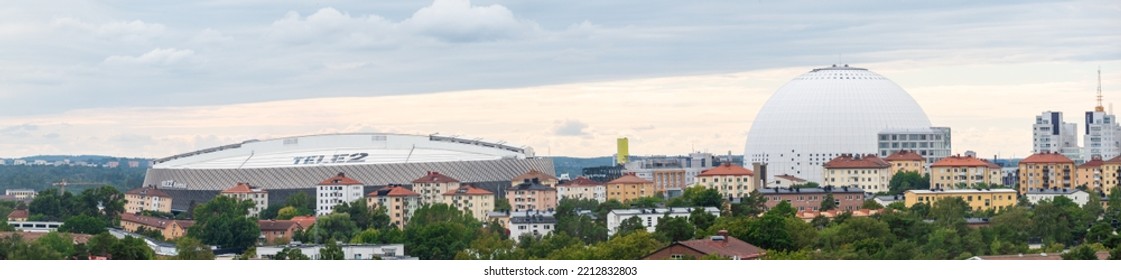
column 154, row 84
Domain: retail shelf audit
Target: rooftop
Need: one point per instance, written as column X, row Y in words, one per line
column 850, row 161
column 791, row 178
column 276, row 225
column 683, row 210
column 468, row 190
column 1053, row 191
column 811, row 190
column 963, row 161
column 722, row 245
column 243, row 188
column 904, row 155
column 962, row 191
column 533, row 173
column 18, row 214
column 1042, row 158
column 531, row 185
column 1094, row 162
column 533, row 219
column 727, row 169
column 582, row 182
column 393, row 190
column 629, row 178
column 340, row 179
column 148, row 191
column 435, row 177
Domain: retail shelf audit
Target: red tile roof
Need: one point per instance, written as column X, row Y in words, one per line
column 274, row 225
column 848, row 161
column 904, row 155
column 1114, row 160
column 340, row 179
column 242, row 188
column 304, row 221
column 1046, row 158
column 582, row 182
column 729, row 247
column 533, row 173
column 726, row 169
column 1094, row 162
column 18, row 214
column 629, row 178
column 961, row 161
column 147, row 191
column 393, row 190
column 154, row 222
column 435, row 177
column 468, row 190
column 184, row 223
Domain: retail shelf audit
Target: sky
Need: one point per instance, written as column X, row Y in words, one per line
column 153, row 79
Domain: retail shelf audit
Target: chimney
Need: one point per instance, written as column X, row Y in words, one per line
column 526, row 181
column 536, row 181
column 341, row 174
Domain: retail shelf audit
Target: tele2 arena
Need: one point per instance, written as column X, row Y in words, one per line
column 285, row 166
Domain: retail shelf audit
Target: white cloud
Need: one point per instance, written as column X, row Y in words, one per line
column 125, row 30
column 571, row 128
column 157, row 56
column 459, row 21
column 328, row 25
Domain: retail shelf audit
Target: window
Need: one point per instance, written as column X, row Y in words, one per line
column 676, row 256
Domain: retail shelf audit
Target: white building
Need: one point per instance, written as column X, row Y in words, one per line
column 351, row 252
column 334, row 191
column 582, row 188
column 21, row 193
column 19, row 162
column 1051, row 134
column 825, row 113
column 931, row 143
column 649, row 216
column 537, row 223
column 1078, row 196
column 868, row 172
column 243, row 191
column 785, row 181
column 1103, row 135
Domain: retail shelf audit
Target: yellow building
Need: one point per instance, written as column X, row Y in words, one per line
column 170, row 229
column 433, row 186
column 531, row 194
column 978, row 200
column 629, row 187
column 398, row 202
column 1046, row 171
column 868, row 172
column 474, row 201
column 1111, row 174
column 732, row 181
column 906, row 161
column 1089, row 174
column 147, row 198
column 954, row 172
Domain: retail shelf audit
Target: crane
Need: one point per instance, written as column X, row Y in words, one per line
column 62, row 184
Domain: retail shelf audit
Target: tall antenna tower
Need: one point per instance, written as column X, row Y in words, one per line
column 1099, row 108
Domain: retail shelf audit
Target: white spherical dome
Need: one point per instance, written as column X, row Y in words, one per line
column 825, row 113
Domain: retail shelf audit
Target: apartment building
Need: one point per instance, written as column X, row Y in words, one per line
column 243, row 191
column 978, row 200
column 1046, row 171
column 866, row 172
column 336, row 190
column 732, row 181
column 956, row 172
column 398, row 202
column 472, row 200
column 147, row 199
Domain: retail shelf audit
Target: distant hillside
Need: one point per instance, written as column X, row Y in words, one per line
column 80, row 177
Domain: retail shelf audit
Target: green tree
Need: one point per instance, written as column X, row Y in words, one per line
column 903, row 181
column 1093, row 207
column 806, row 185
column 62, row 243
column 645, row 202
column 332, row 251
column 301, row 201
column 627, row 247
column 84, row 224
column 368, row 236
column 671, row 229
column 131, row 248
column 189, row 248
column 951, row 213
column 287, row 213
column 701, row 219
column 101, row 244
column 337, row 226
column 750, row 206
column 105, row 202
column 439, row 231
column 871, row 204
column 534, row 247
column 1115, row 254
column 50, row 205
column 223, row 222
column 630, row 225
column 501, row 204
column 783, row 209
column 582, row 227
column 828, row 203
column 698, row 196
column 489, row 246
column 291, row 253
column 1082, row 252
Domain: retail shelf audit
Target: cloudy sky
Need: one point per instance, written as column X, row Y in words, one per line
column 151, row 78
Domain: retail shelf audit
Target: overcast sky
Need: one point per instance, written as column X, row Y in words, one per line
column 153, row 78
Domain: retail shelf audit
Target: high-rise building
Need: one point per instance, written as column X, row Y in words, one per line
column 1050, row 134
column 932, row 143
column 623, row 152
column 1103, row 135
column 334, row 191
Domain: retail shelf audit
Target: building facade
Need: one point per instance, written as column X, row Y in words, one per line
column 1050, row 134
column 1103, row 135
column 629, row 187
column 1090, row 174
column 978, row 200
column 398, row 202
column 350, row 251
column 582, row 188
column 720, row 244
column 906, row 161
column 673, row 173
column 170, row 229
column 433, row 186
column 147, row 199
column 535, row 223
column 243, row 191
column 23, row 194
column 649, row 216
column 963, row 172
column 1078, row 196
column 931, row 143
column 531, row 195
column 542, row 177
column 732, row 181
column 475, row 201
column 868, row 172
column 785, row 181
column 803, row 199
column 277, row 232
column 1046, row 171
column 334, row 191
